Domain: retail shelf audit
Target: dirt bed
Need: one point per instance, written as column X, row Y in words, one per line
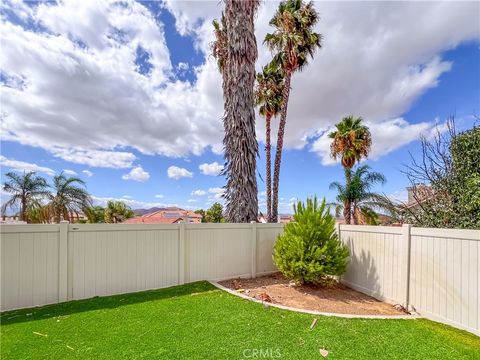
column 336, row 298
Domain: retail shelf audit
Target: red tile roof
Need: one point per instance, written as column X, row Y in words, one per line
column 165, row 217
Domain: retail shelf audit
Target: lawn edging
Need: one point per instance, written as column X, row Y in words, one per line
column 312, row 312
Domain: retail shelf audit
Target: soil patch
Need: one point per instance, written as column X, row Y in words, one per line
column 335, row 298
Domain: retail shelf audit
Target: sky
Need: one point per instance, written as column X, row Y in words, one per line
column 126, row 96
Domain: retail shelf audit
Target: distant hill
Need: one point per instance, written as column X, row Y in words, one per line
column 140, row 212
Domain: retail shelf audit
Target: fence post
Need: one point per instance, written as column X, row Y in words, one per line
column 337, row 227
column 254, row 248
column 407, row 238
column 63, row 262
column 181, row 253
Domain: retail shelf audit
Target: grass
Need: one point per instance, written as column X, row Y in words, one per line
column 198, row 321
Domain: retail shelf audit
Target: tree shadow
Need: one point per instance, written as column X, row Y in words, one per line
column 361, row 270
column 107, row 302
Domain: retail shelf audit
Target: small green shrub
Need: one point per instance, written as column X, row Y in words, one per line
column 309, row 251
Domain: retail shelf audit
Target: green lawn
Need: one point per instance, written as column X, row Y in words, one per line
column 198, row 321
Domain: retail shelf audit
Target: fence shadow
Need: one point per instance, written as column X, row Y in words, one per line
column 96, row 303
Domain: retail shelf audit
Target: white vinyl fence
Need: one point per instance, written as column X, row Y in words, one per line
column 435, row 272
column 45, row 264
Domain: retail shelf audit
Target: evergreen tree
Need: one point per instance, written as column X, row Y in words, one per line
column 309, row 251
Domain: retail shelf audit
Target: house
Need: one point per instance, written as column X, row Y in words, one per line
column 282, row 218
column 166, row 216
column 10, row 220
column 418, row 194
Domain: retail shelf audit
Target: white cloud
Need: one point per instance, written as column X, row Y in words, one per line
column 87, row 173
column 192, row 200
column 175, row 172
column 96, row 158
column 137, row 174
column 79, row 87
column 126, row 197
column 399, row 196
column 159, row 196
column 69, row 172
column 212, row 169
column 198, row 193
column 182, row 66
column 217, row 193
column 375, row 69
column 24, row 166
column 74, row 89
column 216, row 190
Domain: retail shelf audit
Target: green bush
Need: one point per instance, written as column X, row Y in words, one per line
column 309, row 251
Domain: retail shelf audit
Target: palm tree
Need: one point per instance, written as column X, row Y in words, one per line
column 351, row 141
column 27, row 191
column 236, row 52
column 293, row 41
column 69, row 197
column 117, row 211
column 268, row 96
column 357, row 195
column 39, row 215
column 95, row 214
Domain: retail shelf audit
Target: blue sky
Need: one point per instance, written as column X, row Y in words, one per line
column 119, row 94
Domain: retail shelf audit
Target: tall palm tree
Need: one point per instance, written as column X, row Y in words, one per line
column 69, row 197
column 294, row 41
column 351, row 141
column 27, row 191
column 357, row 194
column 237, row 65
column 268, row 96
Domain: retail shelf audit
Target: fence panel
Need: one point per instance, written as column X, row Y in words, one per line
column 44, row 264
column 378, row 261
column 116, row 259
column 444, row 272
column 30, row 265
column 444, row 276
column 217, row 251
column 266, row 236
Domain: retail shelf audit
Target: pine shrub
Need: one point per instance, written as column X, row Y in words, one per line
column 309, row 250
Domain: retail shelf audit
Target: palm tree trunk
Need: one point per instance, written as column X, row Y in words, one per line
column 347, row 209
column 355, row 215
column 268, row 168
column 278, row 153
column 241, row 148
column 23, row 210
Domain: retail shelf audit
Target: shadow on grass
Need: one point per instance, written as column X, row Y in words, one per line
column 107, row 302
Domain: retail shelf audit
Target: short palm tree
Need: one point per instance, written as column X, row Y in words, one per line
column 236, row 51
column 268, row 96
column 116, row 212
column 69, row 197
column 95, row 214
column 293, row 42
column 28, row 191
column 357, row 194
column 351, row 141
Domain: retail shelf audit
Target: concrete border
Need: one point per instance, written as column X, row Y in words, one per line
column 313, row 312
